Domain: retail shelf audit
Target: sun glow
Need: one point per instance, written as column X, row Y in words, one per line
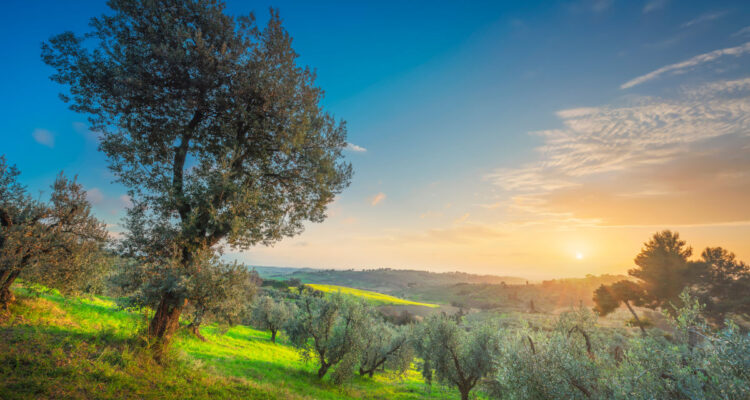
column 579, row 255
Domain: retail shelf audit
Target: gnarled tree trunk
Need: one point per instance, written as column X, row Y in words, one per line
column 166, row 319
column 6, row 280
column 195, row 326
column 637, row 320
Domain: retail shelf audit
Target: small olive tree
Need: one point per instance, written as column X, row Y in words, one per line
column 386, row 345
column 56, row 243
column 332, row 330
column 220, row 292
column 457, row 356
column 272, row 315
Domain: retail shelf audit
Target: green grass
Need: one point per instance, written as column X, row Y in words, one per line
column 372, row 297
column 53, row 347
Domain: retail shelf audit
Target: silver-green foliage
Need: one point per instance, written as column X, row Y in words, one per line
column 271, row 314
column 57, row 243
column 386, row 346
column 456, row 355
column 696, row 362
column 331, row 330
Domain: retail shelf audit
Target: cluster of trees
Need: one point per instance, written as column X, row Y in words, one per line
column 574, row 358
column 57, row 243
column 663, row 270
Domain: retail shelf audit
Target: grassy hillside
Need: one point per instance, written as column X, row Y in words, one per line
column 374, row 298
column 54, row 347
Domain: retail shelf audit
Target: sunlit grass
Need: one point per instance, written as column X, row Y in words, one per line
column 53, row 346
column 372, row 297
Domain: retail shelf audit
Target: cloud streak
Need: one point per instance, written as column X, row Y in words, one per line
column 690, row 63
column 357, row 149
column 622, row 163
column 377, row 199
column 44, row 137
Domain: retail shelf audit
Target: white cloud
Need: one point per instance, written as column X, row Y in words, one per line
column 94, row 196
column 653, row 5
column 692, row 62
column 742, row 32
column 357, row 149
column 44, row 137
column 377, row 199
column 704, row 18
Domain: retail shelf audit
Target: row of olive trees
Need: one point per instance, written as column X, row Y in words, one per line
column 344, row 335
column 580, row 360
column 575, row 358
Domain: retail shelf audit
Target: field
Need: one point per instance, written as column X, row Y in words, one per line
column 55, row 347
column 373, row 298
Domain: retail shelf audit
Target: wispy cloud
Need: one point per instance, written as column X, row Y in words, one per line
column 690, row 63
column 462, row 219
column 377, row 199
column 357, row 149
column 44, row 137
column 742, row 32
column 623, row 163
column 704, row 18
column 653, row 5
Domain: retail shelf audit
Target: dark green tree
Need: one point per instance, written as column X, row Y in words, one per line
column 57, row 243
column 211, row 124
column 662, row 268
column 722, row 283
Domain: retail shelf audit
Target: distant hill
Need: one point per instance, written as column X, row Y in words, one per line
column 383, row 280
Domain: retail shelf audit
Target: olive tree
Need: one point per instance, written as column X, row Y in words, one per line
column 57, row 243
column 457, row 356
column 271, row 314
column 579, row 360
column 220, row 292
column 208, row 120
column 386, row 345
column 332, row 330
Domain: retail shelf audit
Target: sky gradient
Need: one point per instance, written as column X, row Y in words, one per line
column 544, row 139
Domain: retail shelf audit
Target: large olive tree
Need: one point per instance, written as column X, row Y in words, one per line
column 211, row 124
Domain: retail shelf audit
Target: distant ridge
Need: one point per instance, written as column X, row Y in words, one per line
column 382, row 279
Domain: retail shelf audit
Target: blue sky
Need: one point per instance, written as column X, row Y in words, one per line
column 476, row 125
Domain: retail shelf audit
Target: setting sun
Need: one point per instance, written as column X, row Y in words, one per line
column 579, row 255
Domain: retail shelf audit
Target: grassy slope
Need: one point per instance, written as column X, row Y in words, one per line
column 372, row 297
column 79, row 348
